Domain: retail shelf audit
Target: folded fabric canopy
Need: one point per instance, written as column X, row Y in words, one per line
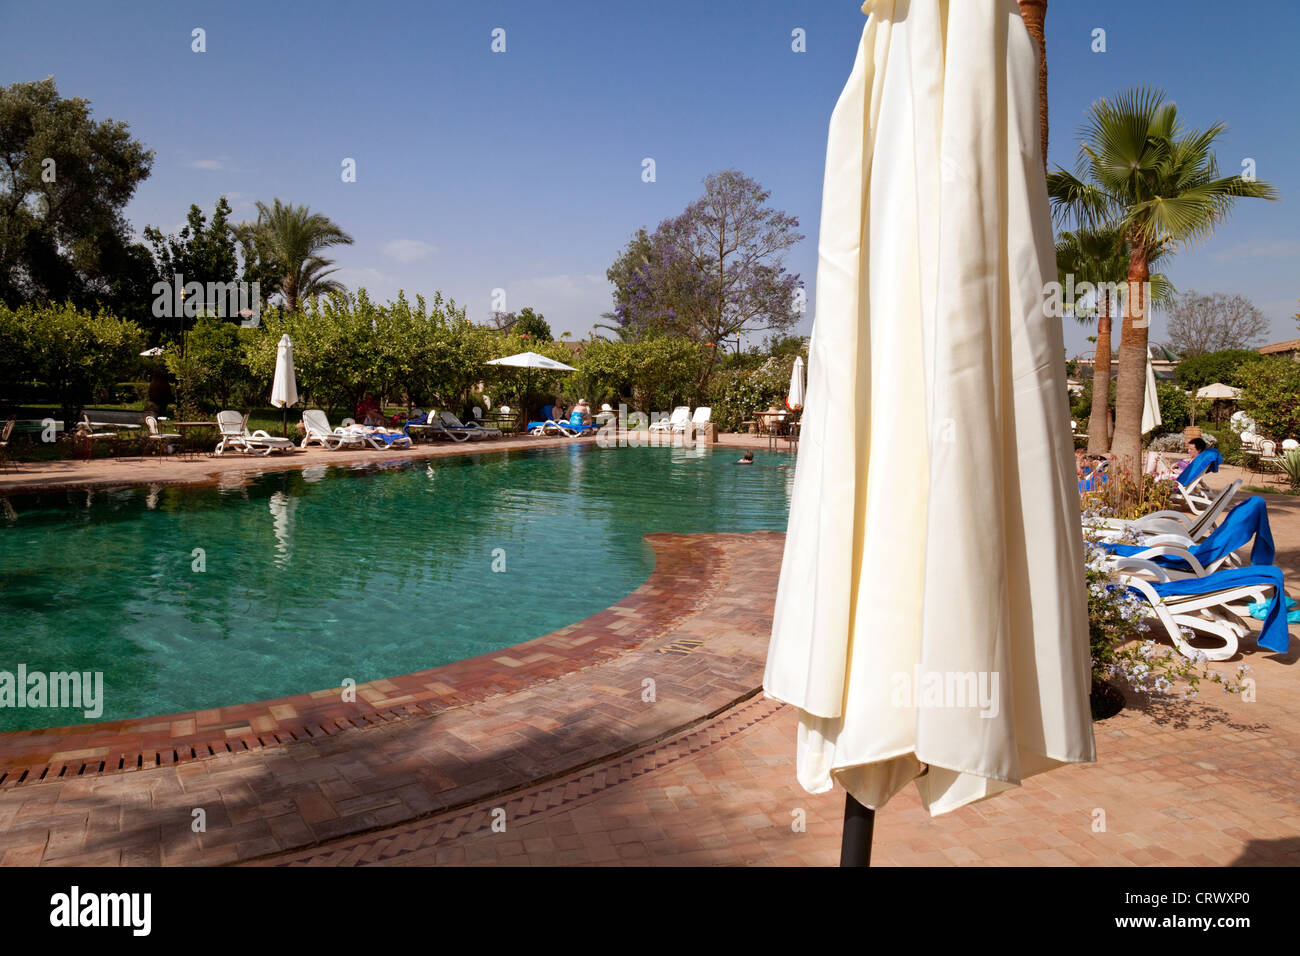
column 934, row 529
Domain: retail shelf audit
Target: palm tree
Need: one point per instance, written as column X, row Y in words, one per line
column 1101, row 258
column 291, row 238
column 1142, row 174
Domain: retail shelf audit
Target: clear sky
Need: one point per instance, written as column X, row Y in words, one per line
column 522, row 170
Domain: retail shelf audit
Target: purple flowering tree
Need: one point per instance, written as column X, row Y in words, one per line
column 712, row 273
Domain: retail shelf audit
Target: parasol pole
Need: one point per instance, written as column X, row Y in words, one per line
column 860, row 821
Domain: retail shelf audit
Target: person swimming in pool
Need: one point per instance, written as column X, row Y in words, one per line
column 747, row 460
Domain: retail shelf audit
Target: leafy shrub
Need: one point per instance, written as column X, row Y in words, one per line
column 1271, row 396
column 1227, row 366
column 1290, row 466
column 75, row 354
column 738, row 394
column 1175, row 406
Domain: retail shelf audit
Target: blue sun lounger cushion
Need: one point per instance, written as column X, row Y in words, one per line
column 1274, row 636
column 1248, row 521
column 1210, row 459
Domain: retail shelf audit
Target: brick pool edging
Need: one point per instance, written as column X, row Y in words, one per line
column 688, row 570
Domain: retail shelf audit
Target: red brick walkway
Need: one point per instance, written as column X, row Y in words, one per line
column 1209, row 783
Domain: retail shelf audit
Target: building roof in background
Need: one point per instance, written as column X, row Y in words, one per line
column 1291, row 345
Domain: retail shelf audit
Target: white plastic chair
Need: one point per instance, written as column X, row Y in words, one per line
column 680, row 417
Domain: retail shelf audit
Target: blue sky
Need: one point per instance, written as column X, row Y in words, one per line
column 522, row 170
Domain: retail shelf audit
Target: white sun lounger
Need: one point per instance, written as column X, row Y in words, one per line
column 235, row 437
column 1216, row 613
column 680, row 418
column 317, row 424
column 474, row 430
column 1194, row 527
column 701, row 417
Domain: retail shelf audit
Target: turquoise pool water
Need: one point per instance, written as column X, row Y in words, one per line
column 318, row 575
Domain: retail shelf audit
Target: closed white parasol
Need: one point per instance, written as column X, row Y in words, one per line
column 284, row 387
column 931, row 618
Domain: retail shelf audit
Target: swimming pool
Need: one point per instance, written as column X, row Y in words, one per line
column 194, row 597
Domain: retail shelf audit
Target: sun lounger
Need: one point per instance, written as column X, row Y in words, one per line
column 233, row 427
column 701, row 417
column 1246, row 524
column 378, row 436
column 317, row 425
column 575, row 427
column 1211, row 605
column 473, row 429
column 1191, row 479
column 1176, row 522
column 678, row 421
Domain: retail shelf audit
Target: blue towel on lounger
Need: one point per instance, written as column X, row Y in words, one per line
column 1248, row 521
column 1275, row 636
column 1209, row 459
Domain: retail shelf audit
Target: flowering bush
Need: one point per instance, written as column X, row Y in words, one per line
column 738, row 394
column 1122, row 495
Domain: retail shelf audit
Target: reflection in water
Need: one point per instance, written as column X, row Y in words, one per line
column 282, row 509
column 391, row 568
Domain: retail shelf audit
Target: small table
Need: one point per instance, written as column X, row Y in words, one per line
column 187, row 449
column 770, row 422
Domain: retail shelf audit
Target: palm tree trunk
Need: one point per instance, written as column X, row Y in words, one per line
column 1034, row 13
column 1130, row 388
column 289, row 286
column 1099, row 418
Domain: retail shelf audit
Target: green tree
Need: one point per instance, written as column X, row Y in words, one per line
column 1271, row 396
column 712, row 273
column 202, row 252
column 287, row 241
column 1142, row 173
column 77, row 354
column 532, row 324
column 1227, row 366
column 64, row 181
column 212, row 367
